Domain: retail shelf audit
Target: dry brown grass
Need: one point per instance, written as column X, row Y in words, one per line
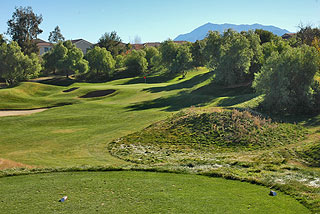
column 7, row 164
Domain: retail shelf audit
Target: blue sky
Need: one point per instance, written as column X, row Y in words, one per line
column 158, row 20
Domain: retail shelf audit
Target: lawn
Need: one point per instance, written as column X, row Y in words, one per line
column 76, row 133
column 138, row 192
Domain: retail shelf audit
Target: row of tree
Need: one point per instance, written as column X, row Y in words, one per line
column 283, row 70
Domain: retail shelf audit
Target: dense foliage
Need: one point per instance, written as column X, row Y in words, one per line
column 136, row 62
column 151, row 52
column 101, row 63
column 177, row 58
column 112, row 42
column 15, row 66
column 23, row 28
column 235, row 59
column 65, row 58
column 286, row 79
column 56, row 35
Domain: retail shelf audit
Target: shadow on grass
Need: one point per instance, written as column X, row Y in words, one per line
column 185, row 84
column 153, row 79
column 306, row 120
column 200, row 97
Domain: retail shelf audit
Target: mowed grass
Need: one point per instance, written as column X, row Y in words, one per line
column 138, row 192
column 78, row 134
column 79, row 131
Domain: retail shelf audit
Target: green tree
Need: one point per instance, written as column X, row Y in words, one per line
column 55, row 57
column 265, row 36
column 23, row 28
column 73, row 62
column 56, row 35
column 258, row 57
column 197, row 49
column 16, row 66
column 101, row 62
column 286, row 79
column 183, row 60
column 212, row 49
column 136, row 62
column 168, row 50
column 2, row 39
column 307, row 34
column 150, row 53
column 65, row 58
column 112, row 42
column 235, row 60
column 177, row 58
column 119, row 61
column 277, row 45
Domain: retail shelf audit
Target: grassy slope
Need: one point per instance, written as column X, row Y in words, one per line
column 79, row 134
column 138, row 192
column 207, row 131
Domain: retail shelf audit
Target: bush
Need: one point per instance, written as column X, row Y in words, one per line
column 183, row 60
column 15, row 66
column 150, row 53
column 101, row 63
column 119, row 61
column 235, row 59
column 286, row 79
column 136, row 62
column 65, row 58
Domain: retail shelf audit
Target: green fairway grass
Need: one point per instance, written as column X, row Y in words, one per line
column 137, row 192
column 76, row 133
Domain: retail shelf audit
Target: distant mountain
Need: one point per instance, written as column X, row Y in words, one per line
column 201, row 32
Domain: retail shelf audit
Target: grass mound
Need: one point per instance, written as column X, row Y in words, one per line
column 209, row 131
column 32, row 95
column 311, row 154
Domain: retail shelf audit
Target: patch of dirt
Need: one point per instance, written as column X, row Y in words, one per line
column 4, row 113
column 99, row 93
column 7, row 164
column 70, row 89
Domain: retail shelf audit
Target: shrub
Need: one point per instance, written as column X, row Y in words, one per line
column 136, row 62
column 15, row 66
column 119, row 61
column 286, row 79
column 235, row 60
column 150, row 53
column 101, row 63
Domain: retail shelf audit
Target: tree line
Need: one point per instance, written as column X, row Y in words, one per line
column 283, row 71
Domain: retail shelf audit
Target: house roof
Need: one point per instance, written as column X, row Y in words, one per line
column 44, row 44
column 78, row 40
column 152, row 44
column 137, row 46
column 180, row 42
column 37, row 41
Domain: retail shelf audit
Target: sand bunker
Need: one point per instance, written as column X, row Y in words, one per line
column 4, row 113
column 99, row 93
column 70, row 89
